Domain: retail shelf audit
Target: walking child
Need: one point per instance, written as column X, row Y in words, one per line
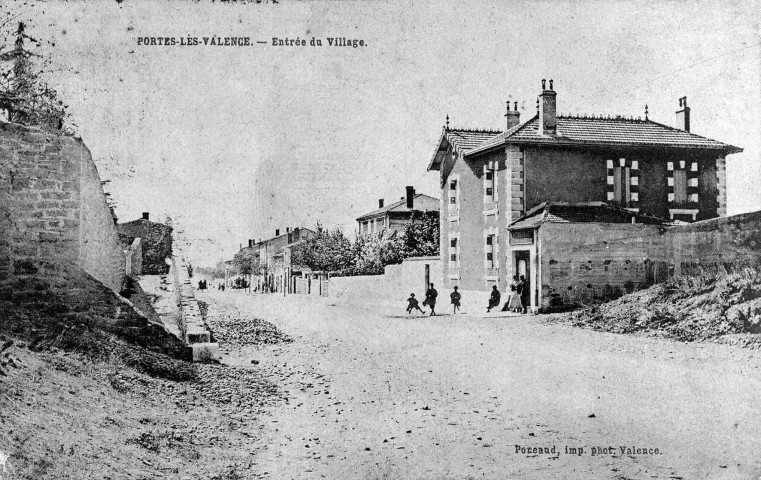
column 455, row 296
column 413, row 304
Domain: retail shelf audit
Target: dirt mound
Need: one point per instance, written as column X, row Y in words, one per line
column 232, row 329
column 688, row 309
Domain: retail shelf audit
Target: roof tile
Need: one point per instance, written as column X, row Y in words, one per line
column 605, row 131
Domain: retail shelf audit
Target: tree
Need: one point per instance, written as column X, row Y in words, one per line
column 421, row 237
column 24, row 95
column 246, row 262
column 328, row 251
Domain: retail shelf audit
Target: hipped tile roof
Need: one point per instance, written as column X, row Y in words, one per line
column 400, row 206
column 593, row 131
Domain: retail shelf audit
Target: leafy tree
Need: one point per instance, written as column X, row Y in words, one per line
column 246, row 262
column 331, row 251
column 328, row 250
column 421, row 237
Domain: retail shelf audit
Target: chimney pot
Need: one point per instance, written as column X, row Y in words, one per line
column 547, row 111
column 513, row 116
column 277, row 232
column 410, row 197
column 380, row 203
column 544, row 84
column 683, row 115
column 146, row 216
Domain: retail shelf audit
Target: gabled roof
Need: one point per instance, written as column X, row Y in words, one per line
column 401, row 206
column 587, row 212
column 599, row 131
column 462, row 141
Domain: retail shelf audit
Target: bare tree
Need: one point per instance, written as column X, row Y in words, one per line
column 24, row 96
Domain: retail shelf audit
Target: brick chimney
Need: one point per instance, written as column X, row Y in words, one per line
column 513, row 116
column 410, row 197
column 146, row 215
column 250, row 242
column 683, row 115
column 380, row 203
column 277, row 232
column 547, row 110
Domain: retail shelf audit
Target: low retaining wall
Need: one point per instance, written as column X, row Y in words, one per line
column 193, row 329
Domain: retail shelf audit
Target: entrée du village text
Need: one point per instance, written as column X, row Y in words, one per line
column 215, row 41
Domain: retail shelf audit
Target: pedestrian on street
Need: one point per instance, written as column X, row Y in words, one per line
column 455, row 296
column 513, row 303
column 413, row 304
column 494, row 298
column 430, row 299
column 523, row 292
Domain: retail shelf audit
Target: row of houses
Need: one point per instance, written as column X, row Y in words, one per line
column 578, row 205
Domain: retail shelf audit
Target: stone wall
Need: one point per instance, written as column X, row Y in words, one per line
column 394, row 286
column 592, row 261
column 588, row 261
column 53, row 209
column 712, row 244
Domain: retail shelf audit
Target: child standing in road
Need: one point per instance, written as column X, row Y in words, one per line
column 455, row 296
column 413, row 304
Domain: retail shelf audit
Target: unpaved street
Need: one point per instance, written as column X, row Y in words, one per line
column 376, row 394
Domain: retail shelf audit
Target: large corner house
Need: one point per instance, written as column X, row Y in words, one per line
column 501, row 191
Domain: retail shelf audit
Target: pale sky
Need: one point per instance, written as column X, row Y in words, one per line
column 234, row 142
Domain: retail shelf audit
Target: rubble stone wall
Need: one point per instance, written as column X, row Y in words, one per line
column 52, row 208
column 717, row 243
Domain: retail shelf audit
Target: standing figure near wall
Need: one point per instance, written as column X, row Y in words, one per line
column 430, row 299
column 455, row 296
column 523, row 292
column 493, row 299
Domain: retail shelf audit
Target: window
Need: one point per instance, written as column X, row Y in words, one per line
column 680, row 186
column 453, row 250
column 621, row 188
column 453, row 192
column 490, row 251
column 490, row 184
column 453, row 243
column 453, row 257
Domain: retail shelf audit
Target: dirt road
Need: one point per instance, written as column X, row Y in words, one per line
column 375, row 394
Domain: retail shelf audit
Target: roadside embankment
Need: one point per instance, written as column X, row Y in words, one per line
column 711, row 306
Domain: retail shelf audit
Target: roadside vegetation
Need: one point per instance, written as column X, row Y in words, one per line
column 709, row 306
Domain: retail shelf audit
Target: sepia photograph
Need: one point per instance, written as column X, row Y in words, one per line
column 345, row 239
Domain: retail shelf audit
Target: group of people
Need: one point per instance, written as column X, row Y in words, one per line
column 430, row 301
column 517, row 302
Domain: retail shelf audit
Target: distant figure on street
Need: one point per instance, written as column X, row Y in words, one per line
column 455, row 296
column 413, row 304
column 494, row 298
column 430, row 299
column 523, row 292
